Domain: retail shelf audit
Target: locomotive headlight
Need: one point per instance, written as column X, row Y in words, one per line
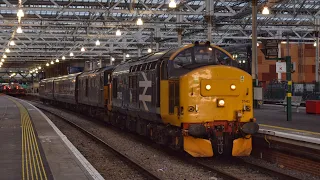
column 208, row 87
column 233, row 87
column 221, row 103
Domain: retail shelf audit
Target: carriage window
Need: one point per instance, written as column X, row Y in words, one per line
column 164, row 69
column 106, row 78
column 153, row 65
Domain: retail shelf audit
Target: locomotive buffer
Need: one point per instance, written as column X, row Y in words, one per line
column 270, row 51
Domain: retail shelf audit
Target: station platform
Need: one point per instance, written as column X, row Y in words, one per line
column 32, row 147
column 272, row 120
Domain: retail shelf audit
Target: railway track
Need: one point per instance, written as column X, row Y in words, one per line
column 133, row 163
column 237, row 169
column 230, row 168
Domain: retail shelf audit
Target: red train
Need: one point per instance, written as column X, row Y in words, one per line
column 14, row 89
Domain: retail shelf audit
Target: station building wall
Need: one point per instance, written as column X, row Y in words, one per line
column 303, row 55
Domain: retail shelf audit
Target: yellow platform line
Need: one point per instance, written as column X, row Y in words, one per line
column 290, row 129
column 32, row 164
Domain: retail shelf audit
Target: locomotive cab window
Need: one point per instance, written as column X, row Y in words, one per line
column 196, row 57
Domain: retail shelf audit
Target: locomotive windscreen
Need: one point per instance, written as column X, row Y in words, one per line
column 198, row 56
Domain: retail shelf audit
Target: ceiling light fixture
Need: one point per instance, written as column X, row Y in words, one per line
column 2, row 60
column 39, row 67
column 149, row 50
column 57, row 60
column 315, row 44
column 4, row 56
column 7, row 50
column 52, row 62
column 82, row 49
column 19, row 30
column 118, row 32
column 265, row 10
column 20, row 13
column 63, row 58
column 127, row 55
column 172, row 4
column 98, row 43
column 12, row 43
column 71, row 54
column 112, row 59
column 139, row 22
column 47, row 64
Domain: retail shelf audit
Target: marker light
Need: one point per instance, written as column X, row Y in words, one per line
column 221, row 103
column 208, row 87
column 233, row 87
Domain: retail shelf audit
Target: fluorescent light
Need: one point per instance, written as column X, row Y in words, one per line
column 71, row 54
column 149, row 50
column 98, row 43
column 82, row 49
column 118, row 32
column 265, row 10
column 283, row 42
column 63, row 58
column 139, row 22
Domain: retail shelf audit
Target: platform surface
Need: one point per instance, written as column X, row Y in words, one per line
column 274, row 118
column 31, row 147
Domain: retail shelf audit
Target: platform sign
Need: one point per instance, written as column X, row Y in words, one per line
column 281, row 67
column 270, row 48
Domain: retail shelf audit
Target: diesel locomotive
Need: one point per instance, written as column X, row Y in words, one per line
column 191, row 98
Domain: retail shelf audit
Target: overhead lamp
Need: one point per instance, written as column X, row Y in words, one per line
column 39, row 67
column 98, row 43
column 283, row 42
column 52, row 62
column 19, row 30
column 2, row 60
column 139, row 22
column 36, row 69
column 7, row 50
column 265, row 10
column 149, row 50
column 112, row 59
column 57, row 60
column 127, row 55
column 172, row 4
column 1, row 63
column 82, row 49
column 12, row 43
column 257, row 44
column 47, row 64
column 118, row 32
column 315, row 44
column 20, row 13
column 4, row 56
column 37, row 72
column 71, row 54
column 63, row 58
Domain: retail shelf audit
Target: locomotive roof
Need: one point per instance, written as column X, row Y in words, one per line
column 125, row 66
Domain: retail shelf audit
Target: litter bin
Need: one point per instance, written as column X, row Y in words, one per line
column 313, row 106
